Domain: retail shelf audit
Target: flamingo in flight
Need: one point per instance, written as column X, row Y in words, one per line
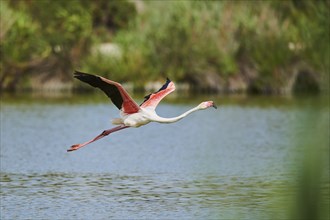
column 132, row 114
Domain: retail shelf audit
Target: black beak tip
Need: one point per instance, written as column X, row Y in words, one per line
column 214, row 106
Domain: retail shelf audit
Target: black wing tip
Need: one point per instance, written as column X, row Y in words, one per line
column 85, row 76
column 77, row 74
column 91, row 79
column 168, row 81
column 162, row 88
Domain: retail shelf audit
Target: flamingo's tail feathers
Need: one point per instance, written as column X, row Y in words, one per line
column 117, row 121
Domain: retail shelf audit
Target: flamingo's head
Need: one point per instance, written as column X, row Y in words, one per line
column 207, row 104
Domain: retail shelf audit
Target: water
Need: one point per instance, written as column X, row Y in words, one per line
column 239, row 161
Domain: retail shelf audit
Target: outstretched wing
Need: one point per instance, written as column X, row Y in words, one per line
column 153, row 99
column 113, row 90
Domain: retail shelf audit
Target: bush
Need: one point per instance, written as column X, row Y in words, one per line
column 54, row 36
column 46, row 38
column 21, row 44
column 184, row 40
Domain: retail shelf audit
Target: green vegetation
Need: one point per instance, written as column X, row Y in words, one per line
column 42, row 38
column 219, row 46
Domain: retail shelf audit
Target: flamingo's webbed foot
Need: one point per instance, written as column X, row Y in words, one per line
column 74, row 147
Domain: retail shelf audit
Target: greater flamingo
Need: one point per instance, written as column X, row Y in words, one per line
column 132, row 115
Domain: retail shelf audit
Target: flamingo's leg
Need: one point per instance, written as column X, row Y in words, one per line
column 103, row 134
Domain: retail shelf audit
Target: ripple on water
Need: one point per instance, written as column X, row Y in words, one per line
column 116, row 196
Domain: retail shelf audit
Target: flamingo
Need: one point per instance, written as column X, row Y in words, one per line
column 132, row 114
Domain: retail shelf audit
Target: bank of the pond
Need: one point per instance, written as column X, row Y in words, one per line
column 297, row 81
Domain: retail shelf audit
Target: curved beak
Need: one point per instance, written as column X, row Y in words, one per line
column 214, row 106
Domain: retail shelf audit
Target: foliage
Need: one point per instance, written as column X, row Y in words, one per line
column 178, row 46
column 68, row 22
column 179, row 39
column 18, row 31
column 111, row 14
column 199, row 37
column 264, row 42
column 312, row 34
column 52, row 36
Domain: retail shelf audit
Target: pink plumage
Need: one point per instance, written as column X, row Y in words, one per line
column 132, row 115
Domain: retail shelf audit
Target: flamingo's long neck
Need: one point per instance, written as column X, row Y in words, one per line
column 175, row 119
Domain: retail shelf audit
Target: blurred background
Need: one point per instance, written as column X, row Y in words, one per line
column 242, row 46
column 264, row 154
